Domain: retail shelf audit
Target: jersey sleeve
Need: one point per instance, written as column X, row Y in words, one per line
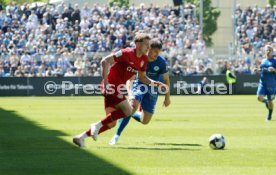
column 121, row 55
column 274, row 65
column 164, row 67
column 262, row 66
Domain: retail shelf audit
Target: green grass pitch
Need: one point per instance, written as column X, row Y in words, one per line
column 36, row 138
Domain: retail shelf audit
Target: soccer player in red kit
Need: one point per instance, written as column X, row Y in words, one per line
column 126, row 63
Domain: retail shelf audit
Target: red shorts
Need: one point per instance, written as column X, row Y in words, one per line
column 111, row 100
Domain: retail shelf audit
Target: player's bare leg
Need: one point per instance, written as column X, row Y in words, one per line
column 122, row 109
column 80, row 139
column 269, row 106
column 146, row 117
column 108, row 110
column 262, row 99
column 134, row 105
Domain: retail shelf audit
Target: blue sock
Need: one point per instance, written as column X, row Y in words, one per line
column 122, row 124
column 137, row 116
column 269, row 114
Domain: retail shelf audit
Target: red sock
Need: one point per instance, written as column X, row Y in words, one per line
column 113, row 116
column 88, row 132
column 104, row 128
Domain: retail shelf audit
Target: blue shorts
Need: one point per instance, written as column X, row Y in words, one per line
column 147, row 100
column 269, row 92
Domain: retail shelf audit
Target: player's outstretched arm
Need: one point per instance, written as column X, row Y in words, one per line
column 146, row 80
column 129, row 85
column 166, row 79
column 105, row 64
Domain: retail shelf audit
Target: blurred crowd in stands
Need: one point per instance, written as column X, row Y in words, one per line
column 69, row 40
column 255, row 27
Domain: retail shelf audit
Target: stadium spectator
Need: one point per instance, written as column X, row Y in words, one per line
column 2, row 72
column 255, row 27
column 69, row 73
column 31, row 33
column 34, row 32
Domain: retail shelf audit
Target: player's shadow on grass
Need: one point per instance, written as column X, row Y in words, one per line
column 178, row 144
column 159, row 146
column 27, row 148
column 154, row 148
column 170, row 120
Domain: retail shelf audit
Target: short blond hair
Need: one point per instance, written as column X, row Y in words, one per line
column 141, row 36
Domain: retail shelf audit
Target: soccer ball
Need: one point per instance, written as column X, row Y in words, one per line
column 217, row 141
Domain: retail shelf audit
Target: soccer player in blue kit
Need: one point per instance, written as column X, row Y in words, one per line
column 267, row 84
column 142, row 94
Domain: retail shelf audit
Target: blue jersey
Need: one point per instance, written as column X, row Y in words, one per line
column 268, row 79
column 156, row 68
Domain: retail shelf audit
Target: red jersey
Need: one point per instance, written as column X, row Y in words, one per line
column 126, row 65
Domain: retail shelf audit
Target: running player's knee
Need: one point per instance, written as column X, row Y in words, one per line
column 134, row 104
column 128, row 112
column 260, row 98
column 145, row 122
